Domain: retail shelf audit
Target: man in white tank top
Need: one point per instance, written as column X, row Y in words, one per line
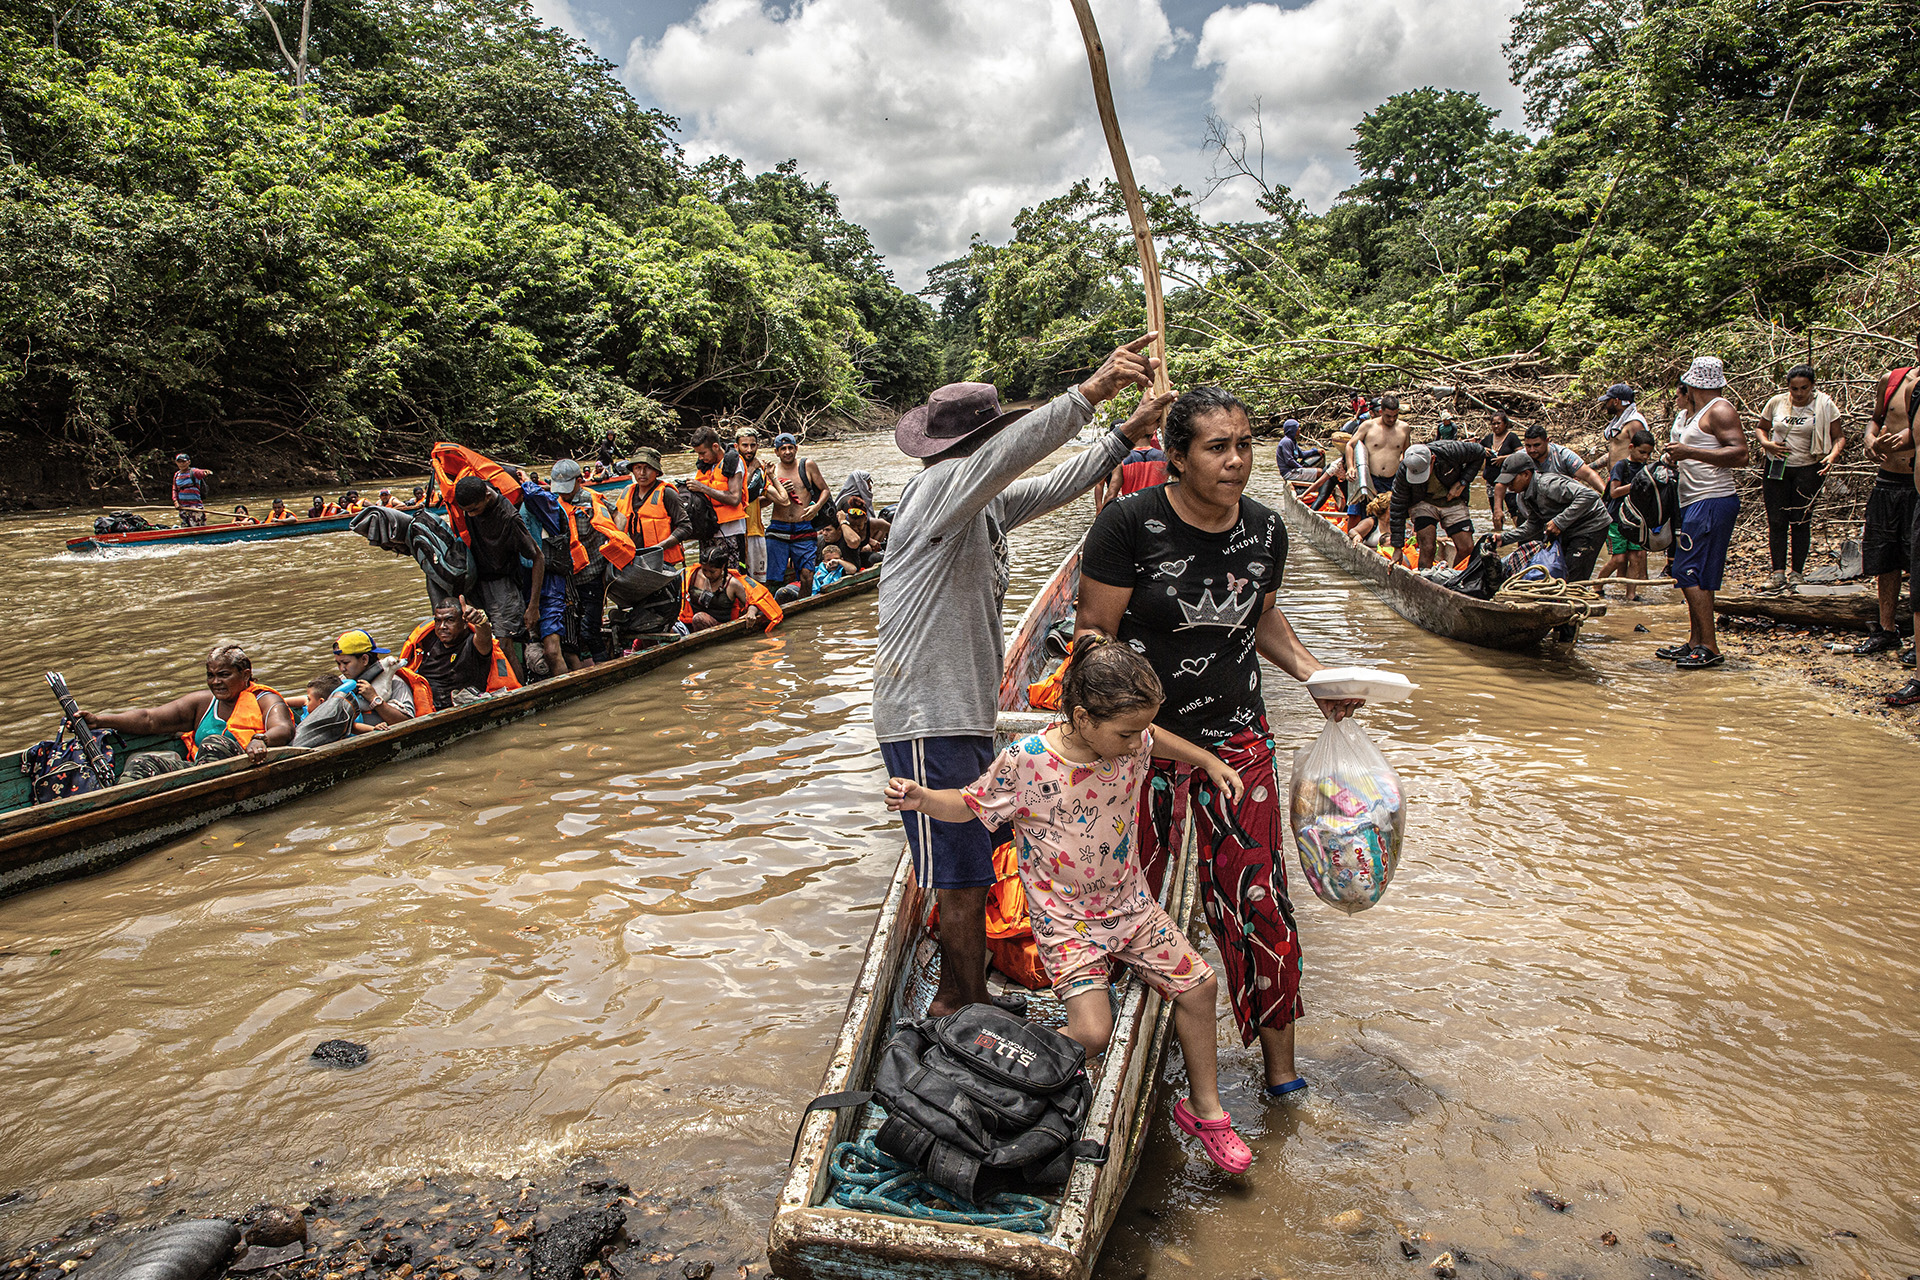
column 1708, row 444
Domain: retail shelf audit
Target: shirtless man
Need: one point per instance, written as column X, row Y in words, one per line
column 1385, row 438
column 798, row 493
column 1890, row 442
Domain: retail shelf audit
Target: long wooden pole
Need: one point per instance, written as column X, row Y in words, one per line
column 1129, row 189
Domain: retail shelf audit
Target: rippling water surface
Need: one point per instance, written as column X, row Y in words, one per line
column 1650, row 950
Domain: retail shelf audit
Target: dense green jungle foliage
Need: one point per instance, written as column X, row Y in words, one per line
column 411, row 220
column 1739, row 177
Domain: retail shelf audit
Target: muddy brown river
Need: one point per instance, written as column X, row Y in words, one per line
column 1650, row 952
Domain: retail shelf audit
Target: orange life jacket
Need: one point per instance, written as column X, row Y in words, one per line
column 1044, row 694
column 352, row 507
column 452, row 461
column 248, row 718
column 618, row 548
column 499, row 670
column 757, row 596
column 329, row 510
column 273, row 516
column 421, row 690
column 1010, row 940
column 713, row 479
column 655, row 525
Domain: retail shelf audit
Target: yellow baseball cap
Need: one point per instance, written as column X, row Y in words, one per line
column 356, row 642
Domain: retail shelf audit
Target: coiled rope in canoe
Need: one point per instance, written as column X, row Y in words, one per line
column 1534, row 585
column 868, row 1179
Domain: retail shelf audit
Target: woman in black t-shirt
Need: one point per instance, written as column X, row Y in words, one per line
column 1500, row 442
column 1187, row 575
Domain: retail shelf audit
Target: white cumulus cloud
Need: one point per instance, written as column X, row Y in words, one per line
column 933, row 119
column 1315, row 70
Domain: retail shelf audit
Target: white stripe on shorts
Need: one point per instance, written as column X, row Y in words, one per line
column 922, row 846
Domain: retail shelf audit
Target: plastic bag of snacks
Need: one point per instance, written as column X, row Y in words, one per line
column 1349, row 816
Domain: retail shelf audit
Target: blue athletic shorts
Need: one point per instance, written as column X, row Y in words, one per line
column 1700, row 546
column 946, row 855
column 791, row 552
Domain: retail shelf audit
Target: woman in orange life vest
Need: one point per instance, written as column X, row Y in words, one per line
column 715, row 591
column 229, row 717
column 242, row 516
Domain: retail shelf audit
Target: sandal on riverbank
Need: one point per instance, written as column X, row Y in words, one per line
column 1673, row 652
column 1223, row 1146
column 1906, row 695
column 1877, row 641
column 1700, row 659
column 1293, row 1091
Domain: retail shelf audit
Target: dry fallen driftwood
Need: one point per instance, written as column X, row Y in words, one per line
column 1853, row 612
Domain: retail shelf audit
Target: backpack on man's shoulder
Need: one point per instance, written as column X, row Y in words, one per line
column 700, row 514
column 1651, row 508
column 980, row 1101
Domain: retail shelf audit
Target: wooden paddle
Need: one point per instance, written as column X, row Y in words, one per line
column 1129, row 190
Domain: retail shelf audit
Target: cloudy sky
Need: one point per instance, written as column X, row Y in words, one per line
column 938, row 119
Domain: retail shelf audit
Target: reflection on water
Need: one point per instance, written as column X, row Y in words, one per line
column 1645, row 952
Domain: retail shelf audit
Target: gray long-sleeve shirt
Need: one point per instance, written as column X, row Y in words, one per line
column 1556, row 499
column 936, row 671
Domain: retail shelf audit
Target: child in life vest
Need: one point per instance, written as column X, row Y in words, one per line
column 1071, row 795
column 831, row 569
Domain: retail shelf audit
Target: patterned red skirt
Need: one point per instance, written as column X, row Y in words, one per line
column 1243, row 875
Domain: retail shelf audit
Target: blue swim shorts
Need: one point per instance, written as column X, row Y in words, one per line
column 1700, row 546
column 946, row 855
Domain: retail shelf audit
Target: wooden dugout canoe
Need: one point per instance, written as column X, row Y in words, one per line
column 814, row 1239
column 1488, row 623
column 66, row 839
column 210, row 534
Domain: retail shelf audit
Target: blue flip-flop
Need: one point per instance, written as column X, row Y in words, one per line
column 1291, row 1091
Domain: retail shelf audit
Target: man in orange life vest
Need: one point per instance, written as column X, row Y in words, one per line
column 722, row 477
column 651, row 512
column 1142, row 468
column 456, row 655
column 231, row 716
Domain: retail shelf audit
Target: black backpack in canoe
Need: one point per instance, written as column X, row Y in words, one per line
column 122, row 522
column 980, row 1101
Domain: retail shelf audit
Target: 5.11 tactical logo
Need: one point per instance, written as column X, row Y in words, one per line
column 1001, row 1049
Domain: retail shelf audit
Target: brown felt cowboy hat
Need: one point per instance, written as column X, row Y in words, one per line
column 956, row 412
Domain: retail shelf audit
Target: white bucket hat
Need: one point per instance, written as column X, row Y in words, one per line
column 1705, row 373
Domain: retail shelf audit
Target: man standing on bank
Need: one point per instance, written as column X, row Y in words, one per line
column 1187, row 574
column 1708, row 445
column 936, row 678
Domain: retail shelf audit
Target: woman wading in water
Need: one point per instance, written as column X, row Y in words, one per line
column 1186, row 574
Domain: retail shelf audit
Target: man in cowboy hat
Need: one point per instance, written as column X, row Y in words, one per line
column 937, row 667
column 1708, row 444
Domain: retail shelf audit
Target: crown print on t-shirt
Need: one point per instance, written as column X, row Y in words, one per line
column 1230, row 612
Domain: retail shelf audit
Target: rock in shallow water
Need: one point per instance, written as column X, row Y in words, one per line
column 560, row 1254
column 276, row 1228
column 340, row 1053
column 1761, row 1256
